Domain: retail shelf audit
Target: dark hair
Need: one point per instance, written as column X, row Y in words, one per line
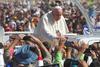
column 71, row 63
column 34, row 49
column 47, row 45
column 27, row 38
column 69, row 44
column 1, row 45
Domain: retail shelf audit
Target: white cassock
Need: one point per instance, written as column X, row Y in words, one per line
column 47, row 27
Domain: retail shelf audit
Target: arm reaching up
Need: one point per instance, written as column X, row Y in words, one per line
column 40, row 44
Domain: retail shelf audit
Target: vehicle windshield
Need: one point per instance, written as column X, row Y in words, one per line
column 84, row 17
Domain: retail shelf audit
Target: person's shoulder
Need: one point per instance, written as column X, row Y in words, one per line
column 47, row 14
column 62, row 17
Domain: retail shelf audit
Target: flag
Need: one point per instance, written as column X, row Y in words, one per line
column 40, row 61
column 86, row 30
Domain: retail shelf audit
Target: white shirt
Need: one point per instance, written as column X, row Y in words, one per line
column 31, row 29
column 1, row 58
column 47, row 27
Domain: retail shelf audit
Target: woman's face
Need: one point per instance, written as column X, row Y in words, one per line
column 95, row 45
column 21, row 28
column 35, row 20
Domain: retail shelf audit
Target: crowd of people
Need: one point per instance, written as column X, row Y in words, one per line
column 47, row 45
column 17, row 17
column 28, row 51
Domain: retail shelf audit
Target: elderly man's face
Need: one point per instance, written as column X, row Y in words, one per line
column 57, row 14
column 84, row 46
